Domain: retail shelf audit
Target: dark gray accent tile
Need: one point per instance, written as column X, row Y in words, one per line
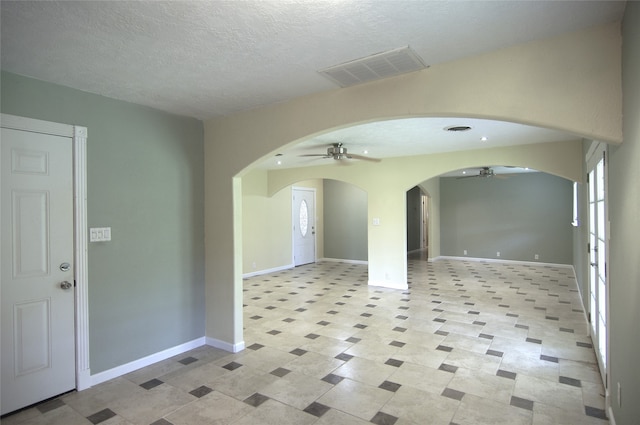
column 274, row 332
column 298, row 352
column 344, row 357
column 506, row 374
column 570, row 381
column 594, row 412
column 317, row 409
column 300, row 309
column 332, row 312
column 479, row 323
column 522, row 403
column 390, row 386
column 568, row 330
column 256, row 399
column 323, row 323
column 232, row 366
column 494, row 353
column 50, row 405
column 280, row 372
column 256, row 317
column 366, row 315
column 394, row 362
column 101, row 416
column 552, row 318
column 442, row 333
column 382, row 418
column 188, row 360
column 397, row 344
column 312, row 336
column 584, row 344
column 270, row 307
column 473, row 312
column 152, row 383
column 360, row 326
column 534, row 340
column 448, row 368
column 255, row 347
column 522, row 327
column 353, row 340
column 399, row 329
column 162, row 421
column 548, row 358
column 485, row 336
column 401, row 317
column 200, row 391
column 451, row 393
column 439, row 320
column 444, row 348
column 288, row 320
column 332, row 379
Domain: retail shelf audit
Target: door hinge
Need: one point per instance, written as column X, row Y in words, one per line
column 588, row 247
column 75, row 283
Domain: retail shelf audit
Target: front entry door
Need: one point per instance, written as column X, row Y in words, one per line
column 304, row 226
column 36, row 216
column 598, row 279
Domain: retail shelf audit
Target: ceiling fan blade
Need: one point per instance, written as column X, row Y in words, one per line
column 364, row 158
column 467, row 177
column 501, row 176
column 316, row 154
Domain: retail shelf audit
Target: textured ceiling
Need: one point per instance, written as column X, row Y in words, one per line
column 212, row 58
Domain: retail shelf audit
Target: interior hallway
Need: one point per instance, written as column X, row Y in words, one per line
column 468, row 343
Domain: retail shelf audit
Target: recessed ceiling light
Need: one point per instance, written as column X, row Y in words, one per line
column 464, row 172
column 458, row 128
column 365, row 151
column 484, row 138
column 279, row 162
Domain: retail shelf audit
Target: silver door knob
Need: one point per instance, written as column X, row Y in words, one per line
column 66, row 285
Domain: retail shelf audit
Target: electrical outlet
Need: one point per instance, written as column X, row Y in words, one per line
column 536, row 257
column 498, row 254
column 465, row 252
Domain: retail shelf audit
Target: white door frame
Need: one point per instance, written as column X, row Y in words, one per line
column 80, row 238
column 293, row 219
column 598, row 151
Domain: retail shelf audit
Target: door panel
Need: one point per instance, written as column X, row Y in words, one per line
column 304, row 226
column 36, row 215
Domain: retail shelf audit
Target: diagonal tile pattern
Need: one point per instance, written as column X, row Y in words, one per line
column 467, row 343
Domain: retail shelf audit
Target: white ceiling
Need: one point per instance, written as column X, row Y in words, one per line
column 212, row 58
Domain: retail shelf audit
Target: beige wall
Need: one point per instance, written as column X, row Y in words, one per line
column 267, row 227
column 569, row 83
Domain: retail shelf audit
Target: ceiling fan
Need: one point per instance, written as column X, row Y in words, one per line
column 338, row 152
column 485, row 172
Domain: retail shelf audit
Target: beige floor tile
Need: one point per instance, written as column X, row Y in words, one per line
column 481, row 411
column 242, row 382
column 356, row 399
column 273, row 412
column 421, row 377
column 550, row 393
column 483, row 385
column 335, row 417
column 212, row 409
column 421, row 407
column 152, row 405
column 297, row 390
column 313, row 364
column 549, row 415
column 365, row 371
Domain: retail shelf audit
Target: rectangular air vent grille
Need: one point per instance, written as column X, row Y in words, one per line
column 375, row 67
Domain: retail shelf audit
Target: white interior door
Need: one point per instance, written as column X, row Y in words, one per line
column 598, row 283
column 304, row 226
column 36, row 250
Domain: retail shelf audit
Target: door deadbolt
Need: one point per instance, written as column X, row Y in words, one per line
column 65, row 267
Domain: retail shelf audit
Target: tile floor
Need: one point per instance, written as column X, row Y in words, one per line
column 468, row 343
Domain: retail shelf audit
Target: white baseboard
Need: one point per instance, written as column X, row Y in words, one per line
column 389, row 284
column 271, row 270
column 498, row 260
column 226, row 346
column 145, row 361
column 340, row 260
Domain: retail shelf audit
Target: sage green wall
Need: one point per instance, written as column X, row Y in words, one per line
column 345, row 221
column 521, row 216
column 414, row 217
column 145, row 180
column 624, row 215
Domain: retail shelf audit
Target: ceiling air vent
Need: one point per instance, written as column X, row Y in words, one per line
column 375, row 67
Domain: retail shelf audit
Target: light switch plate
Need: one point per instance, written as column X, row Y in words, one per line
column 99, row 234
